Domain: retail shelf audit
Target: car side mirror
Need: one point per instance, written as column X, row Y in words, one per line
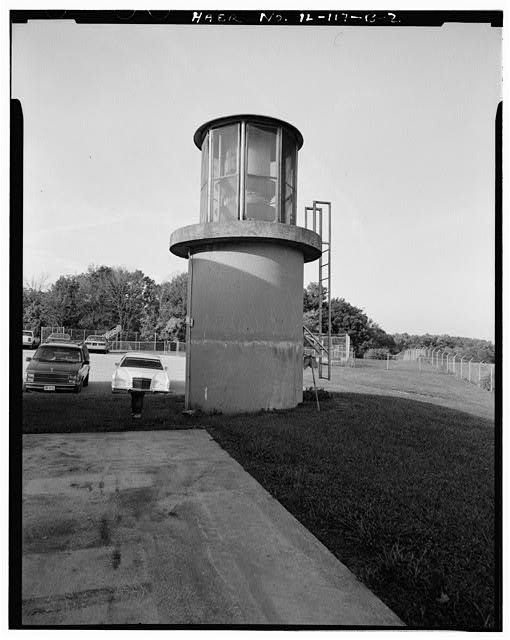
column 165, row 368
column 116, row 364
column 28, row 359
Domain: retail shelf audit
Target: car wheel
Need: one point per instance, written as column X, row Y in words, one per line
column 78, row 387
column 86, row 381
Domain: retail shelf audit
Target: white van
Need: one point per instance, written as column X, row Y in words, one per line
column 29, row 341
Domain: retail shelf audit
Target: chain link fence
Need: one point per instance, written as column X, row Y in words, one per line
column 123, row 341
column 480, row 373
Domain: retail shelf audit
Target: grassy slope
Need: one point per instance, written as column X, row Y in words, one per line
column 400, row 490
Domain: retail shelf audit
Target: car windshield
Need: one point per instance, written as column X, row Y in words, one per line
column 57, row 354
column 27, row 333
column 96, row 338
column 141, row 363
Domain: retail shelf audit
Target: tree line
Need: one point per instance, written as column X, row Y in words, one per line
column 104, row 297
column 369, row 339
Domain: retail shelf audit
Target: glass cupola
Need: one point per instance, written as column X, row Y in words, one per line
column 249, row 169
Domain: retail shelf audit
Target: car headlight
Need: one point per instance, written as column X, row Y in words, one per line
column 120, row 381
column 161, row 383
column 29, row 377
column 72, row 378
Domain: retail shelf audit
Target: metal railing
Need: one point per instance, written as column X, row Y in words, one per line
column 340, row 352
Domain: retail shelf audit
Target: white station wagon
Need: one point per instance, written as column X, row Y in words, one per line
column 139, row 371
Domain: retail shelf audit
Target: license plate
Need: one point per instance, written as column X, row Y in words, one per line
column 49, row 387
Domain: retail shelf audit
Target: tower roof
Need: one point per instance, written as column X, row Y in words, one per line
column 256, row 119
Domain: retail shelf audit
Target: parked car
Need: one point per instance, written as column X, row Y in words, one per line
column 58, row 366
column 58, row 337
column 29, row 340
column 139, row 371
column 97, row 343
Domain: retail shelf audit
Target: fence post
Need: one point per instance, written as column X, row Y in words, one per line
column 454, row 363
column 387, row 361
column 480, row 373
column 461, row 366
column 469, row 370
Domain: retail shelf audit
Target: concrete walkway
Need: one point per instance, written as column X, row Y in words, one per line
column 166, row 528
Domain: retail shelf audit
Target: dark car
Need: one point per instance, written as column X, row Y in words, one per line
column 58, row 337
column 58, row 366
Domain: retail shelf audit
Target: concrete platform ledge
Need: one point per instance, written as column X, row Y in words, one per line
column 196, row 237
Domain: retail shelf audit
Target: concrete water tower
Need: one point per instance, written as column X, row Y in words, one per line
column 245, row 265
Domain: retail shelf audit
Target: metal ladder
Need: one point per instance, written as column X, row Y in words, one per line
column 322, row 225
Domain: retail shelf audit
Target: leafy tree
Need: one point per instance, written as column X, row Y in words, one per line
column 151, row 305
column 311, row 297
column 33, row 309
column 96, row 310
column 173, row 296
column 124, row 293
column 380, row 340
column 61, row 304
column 469, row 347
column 345, row 318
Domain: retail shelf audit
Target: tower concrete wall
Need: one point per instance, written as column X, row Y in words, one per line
column 245, row 349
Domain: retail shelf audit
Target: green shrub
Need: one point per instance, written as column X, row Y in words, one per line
column 309, row 394
column 485, row 383
column 376, row 354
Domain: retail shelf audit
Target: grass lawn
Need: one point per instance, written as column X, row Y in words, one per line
column 400, row 490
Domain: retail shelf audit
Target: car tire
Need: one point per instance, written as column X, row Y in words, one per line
column 78, row 387
column 86, row 381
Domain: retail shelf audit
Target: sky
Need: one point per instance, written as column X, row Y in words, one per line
column 398, row 127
